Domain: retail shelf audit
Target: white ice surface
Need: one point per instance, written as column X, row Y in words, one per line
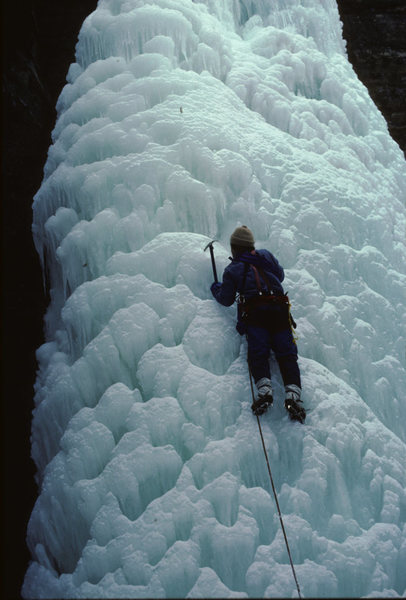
column 181, row 120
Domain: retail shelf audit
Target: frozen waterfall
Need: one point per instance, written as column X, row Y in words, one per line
column 180, row 120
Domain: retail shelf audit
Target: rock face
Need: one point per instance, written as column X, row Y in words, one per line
column 376, row 45
column 39, row 38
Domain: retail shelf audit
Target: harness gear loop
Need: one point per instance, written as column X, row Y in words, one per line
column 274, row 491
column 292, row 323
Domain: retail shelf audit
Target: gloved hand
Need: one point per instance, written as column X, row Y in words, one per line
column 215, row 287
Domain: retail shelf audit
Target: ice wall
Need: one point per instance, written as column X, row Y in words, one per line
column 181, row 120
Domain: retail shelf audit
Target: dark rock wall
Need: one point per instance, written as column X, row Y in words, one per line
column 38, row 45
column 375, row 31
column 38, row 41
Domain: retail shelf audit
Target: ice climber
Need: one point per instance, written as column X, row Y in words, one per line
column 254, row 278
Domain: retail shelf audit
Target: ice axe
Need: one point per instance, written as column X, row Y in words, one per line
column 213, row 264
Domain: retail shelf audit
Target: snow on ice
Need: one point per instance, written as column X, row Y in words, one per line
column 180, row 120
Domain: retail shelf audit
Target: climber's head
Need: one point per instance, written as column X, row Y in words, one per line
column 241, row 240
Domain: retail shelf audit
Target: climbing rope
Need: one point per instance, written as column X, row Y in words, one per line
column 274, row 492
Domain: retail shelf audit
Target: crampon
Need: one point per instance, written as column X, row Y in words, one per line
column 295, row 411
column 261, row 405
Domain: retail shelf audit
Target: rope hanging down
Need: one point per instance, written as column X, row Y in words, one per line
column 275, row 494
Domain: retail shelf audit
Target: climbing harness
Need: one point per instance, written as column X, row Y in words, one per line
column 247, row 306
column 274, row 492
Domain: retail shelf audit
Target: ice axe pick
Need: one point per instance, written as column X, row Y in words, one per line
column 213, row 263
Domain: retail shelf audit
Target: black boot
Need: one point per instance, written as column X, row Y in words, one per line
column 264, row 399
column 292, row 403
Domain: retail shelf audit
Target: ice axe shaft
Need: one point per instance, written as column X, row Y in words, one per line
column 213, row 263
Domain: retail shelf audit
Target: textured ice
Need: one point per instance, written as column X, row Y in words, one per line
column 179, row 121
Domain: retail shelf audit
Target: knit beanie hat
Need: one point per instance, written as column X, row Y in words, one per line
column 242, row 236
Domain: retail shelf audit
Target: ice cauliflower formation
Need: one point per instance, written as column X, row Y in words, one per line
column 180, row 120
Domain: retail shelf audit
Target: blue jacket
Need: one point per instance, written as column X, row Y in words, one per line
column 233, row 277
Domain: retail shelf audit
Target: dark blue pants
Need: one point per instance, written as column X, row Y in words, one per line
column 260, row 342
